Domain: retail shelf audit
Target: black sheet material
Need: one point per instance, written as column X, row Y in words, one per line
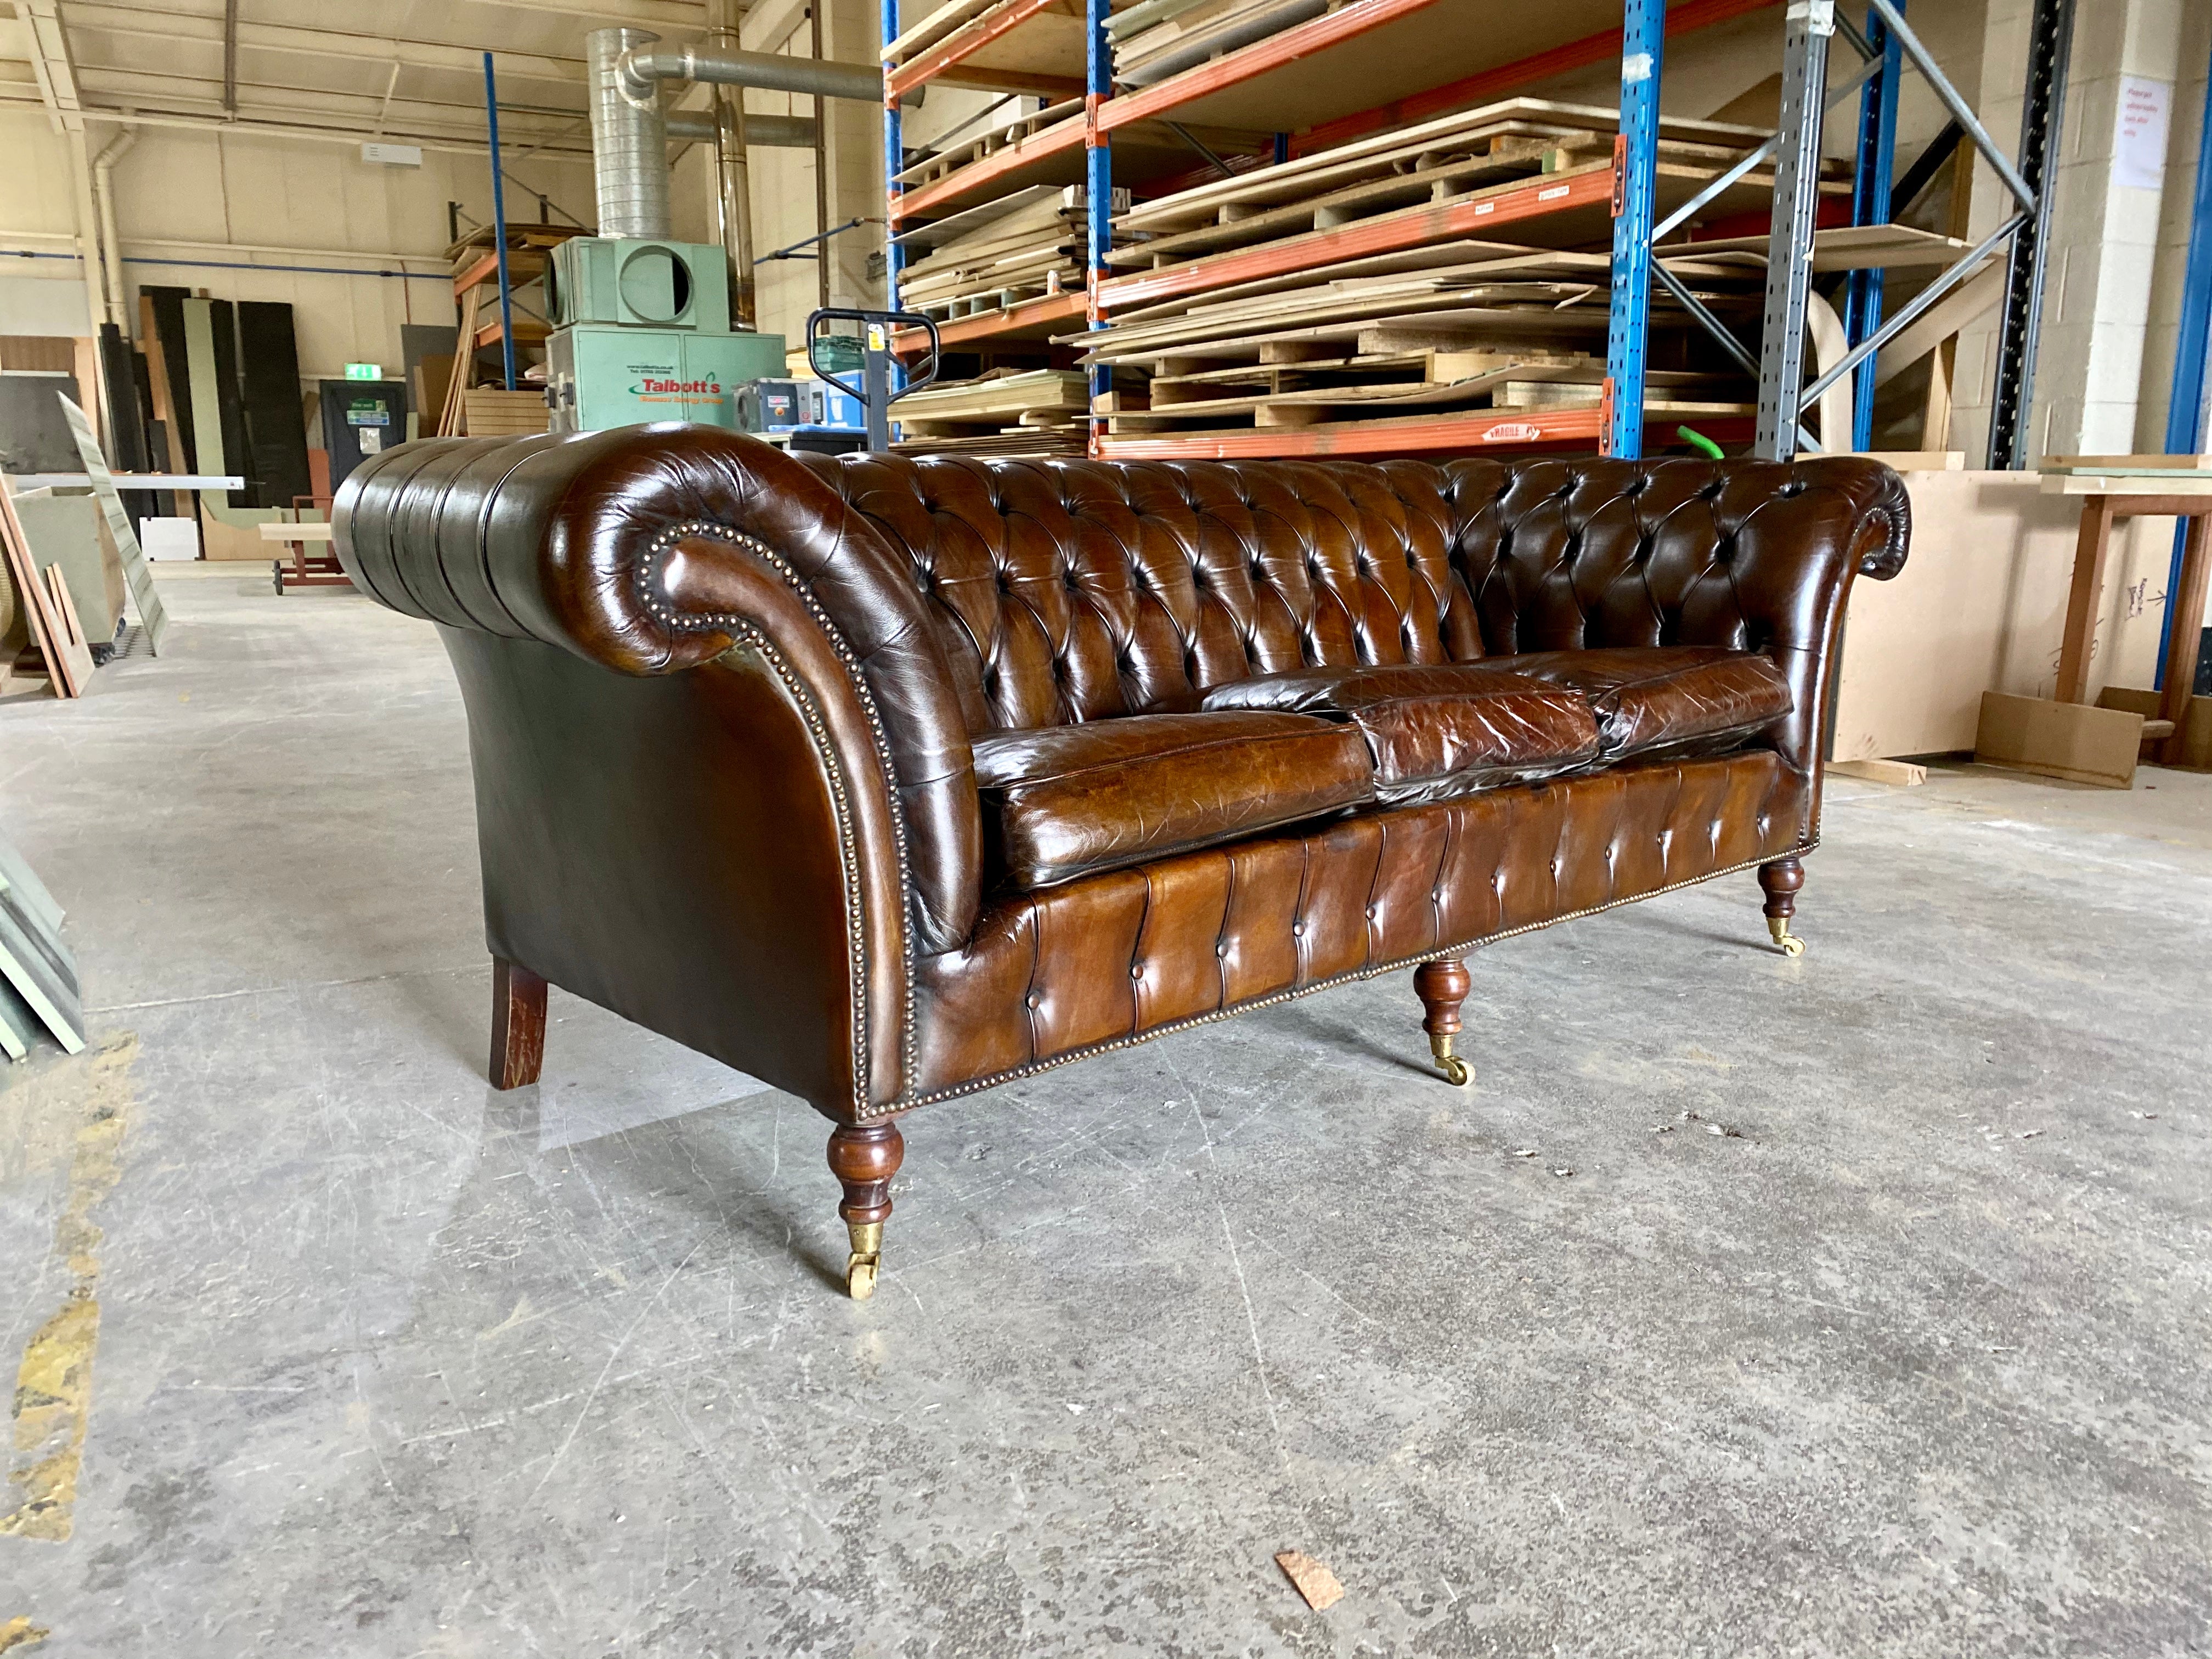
column 169, row 306
column 276, row 425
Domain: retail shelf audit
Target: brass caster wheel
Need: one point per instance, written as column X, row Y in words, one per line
column 867, row 1258
column 1790, row 944
column 1457, row 1071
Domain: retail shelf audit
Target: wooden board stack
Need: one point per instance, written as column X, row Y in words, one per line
column 1162, row 38
column 1430, row 327
column 1041, row 412
column 1023, row 246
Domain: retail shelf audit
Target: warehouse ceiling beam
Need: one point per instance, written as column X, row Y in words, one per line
column 632, row 13
column 351, row 45
column 53, row 64
column 130, row 87
column 230, row 56
column 452, row 143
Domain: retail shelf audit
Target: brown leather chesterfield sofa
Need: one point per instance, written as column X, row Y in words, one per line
column 886, row 781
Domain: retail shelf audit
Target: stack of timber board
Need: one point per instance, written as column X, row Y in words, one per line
column 1027, row 245
column 1041, row 412
column 1487, row 326
column 1162, row 38
column 1045, row 148
column 1036, row 46
column 1406, row 176
column 1429, row 328
column 494, row 412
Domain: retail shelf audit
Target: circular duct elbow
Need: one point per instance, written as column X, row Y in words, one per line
column 629, row 139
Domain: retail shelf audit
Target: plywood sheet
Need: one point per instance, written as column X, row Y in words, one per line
column 1980, row 606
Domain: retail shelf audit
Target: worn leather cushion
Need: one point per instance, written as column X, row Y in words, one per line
column 1061, row 801
column 1678, row 699
column 1435, row 731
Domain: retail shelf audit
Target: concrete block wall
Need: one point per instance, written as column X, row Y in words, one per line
column 2106, row 236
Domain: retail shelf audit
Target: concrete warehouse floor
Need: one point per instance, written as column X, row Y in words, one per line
column 1854, row 1305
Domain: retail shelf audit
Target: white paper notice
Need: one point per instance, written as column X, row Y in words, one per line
column 2139, row 148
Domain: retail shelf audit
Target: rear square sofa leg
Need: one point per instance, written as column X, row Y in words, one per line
column 517, row 1024
column 1441, row 986
column 1780, row 881
column 864, row 1157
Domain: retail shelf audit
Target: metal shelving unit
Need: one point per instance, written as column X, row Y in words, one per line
column 1331, row 69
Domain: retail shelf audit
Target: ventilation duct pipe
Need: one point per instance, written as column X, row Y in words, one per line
column 111, row 249
column 629, row 140
column 645, row 66
column 733, row 199
column 776, row 131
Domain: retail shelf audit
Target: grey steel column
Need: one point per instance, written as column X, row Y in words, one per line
column 1790, row 243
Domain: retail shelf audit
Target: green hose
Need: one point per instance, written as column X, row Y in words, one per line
column 1699, row 441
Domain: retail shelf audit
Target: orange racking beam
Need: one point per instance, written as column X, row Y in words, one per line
column 1490, row 430
column 963, row 42
column 1481, row 88
column 1061, row 135
column 1231, row 69
column 1051, row 308
column 1385, row 233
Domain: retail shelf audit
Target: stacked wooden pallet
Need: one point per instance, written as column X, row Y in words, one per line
column 1023, row 246
column 1442, row 163
column 1260, row 321
column 1512, row 329
column 1040, row 412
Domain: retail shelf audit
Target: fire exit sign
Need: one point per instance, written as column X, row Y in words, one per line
column 364, row 371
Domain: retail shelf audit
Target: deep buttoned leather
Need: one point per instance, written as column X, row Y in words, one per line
column 1667, row 699
column 1060, row 801
column 1437, row 730
column 841, row 633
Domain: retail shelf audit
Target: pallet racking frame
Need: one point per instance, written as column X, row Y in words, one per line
column 1627, row 186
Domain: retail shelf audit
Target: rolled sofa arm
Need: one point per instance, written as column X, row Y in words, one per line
column 605, row 544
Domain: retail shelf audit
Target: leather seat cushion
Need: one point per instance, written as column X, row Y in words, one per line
column 1062, row 801
column 1679, row 700
column 1438, row 731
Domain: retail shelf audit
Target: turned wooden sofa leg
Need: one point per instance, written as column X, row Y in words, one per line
column 1441, row 986
column 863, row 1158
column 517, row 1024
column 1780, row 881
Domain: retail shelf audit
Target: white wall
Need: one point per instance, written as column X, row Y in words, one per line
column 240, row 194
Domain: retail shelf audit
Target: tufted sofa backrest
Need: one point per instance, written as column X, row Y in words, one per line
column 1066, row 591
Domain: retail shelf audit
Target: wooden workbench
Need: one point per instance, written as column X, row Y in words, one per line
column 2138, row 494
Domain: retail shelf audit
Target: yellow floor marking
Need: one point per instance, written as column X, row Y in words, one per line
column 53, row 1385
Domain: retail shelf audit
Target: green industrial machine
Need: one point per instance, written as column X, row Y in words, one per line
column 643, row 333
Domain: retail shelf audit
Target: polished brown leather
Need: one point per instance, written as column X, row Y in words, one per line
column 1667, row 699
column 1061, row 801
column 1435, row 731
column 762, row 832
column 1101, row 963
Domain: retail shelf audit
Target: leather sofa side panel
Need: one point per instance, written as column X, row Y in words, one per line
column 1108, row 960
column 562, row 540
column 667, row 847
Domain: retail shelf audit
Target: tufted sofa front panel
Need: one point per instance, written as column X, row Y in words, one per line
column 1058, row 972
